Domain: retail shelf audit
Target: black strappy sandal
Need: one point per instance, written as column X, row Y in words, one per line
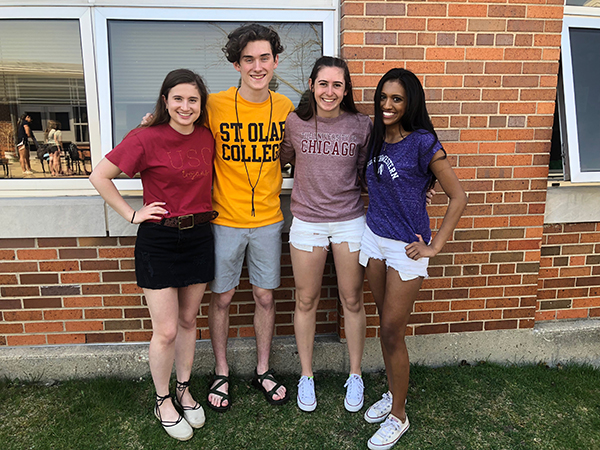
column 193, row 414
column 180, row 429
column 257, row 382
column 221, row 380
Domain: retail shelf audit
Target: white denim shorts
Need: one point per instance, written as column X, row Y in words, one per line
column 306, row 235
column 393, row 253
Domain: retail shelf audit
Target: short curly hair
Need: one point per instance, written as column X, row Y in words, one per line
column 242, row 36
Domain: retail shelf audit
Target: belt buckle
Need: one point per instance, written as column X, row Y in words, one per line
column 180, row 218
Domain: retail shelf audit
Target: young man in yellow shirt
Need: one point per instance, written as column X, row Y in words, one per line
column 247, row 124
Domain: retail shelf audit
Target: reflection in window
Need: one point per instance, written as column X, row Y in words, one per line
column 42, row 79
column 143, row 52
column 585, row 46
column 588, row 3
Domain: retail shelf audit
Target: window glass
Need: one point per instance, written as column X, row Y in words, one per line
column 143, row 52
column 41, row 79
column 593, row 3
column 585, row 48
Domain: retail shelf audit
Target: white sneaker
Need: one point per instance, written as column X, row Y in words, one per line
column 355, row 393
column 306, row 399
column 379, row 410
column 388, row 434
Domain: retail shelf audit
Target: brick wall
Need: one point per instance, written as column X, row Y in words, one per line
column 490, row 73
column 83, row 290
column 489, row 69
column 569, row 281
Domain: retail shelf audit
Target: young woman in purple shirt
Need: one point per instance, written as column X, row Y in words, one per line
column 405, row 160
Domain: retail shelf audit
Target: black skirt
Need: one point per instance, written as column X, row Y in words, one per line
column 170, row 257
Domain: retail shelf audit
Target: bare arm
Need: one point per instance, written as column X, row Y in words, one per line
column 27, row 130
column 102, row 179
column 442, row 169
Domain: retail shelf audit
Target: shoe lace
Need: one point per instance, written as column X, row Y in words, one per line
column 388, row 428
column 355, row 386
column 383, row 404
column 305, row 386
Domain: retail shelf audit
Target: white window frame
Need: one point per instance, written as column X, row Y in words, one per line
column 104, row 14
column 61, row 186
column 571, row 140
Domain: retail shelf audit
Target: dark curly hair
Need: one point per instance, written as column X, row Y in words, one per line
column 242, row 36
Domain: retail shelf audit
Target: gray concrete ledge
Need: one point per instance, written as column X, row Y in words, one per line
column 551, row 343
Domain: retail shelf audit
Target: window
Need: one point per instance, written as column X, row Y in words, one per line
column 141, row 51
column 42, row 82
column 46, row 73
column 579, row 97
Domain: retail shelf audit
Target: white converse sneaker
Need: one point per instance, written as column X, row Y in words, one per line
column 388, row 434
column 379, row 410
column 306, row 399
column 355, row 390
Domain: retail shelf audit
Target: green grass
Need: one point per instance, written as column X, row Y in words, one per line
column 463, row 407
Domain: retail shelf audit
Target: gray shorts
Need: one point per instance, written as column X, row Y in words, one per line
column 262, row 248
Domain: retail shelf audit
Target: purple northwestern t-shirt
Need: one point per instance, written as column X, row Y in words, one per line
column 397, row 201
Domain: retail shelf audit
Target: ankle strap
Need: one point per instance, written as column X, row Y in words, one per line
column 160, row 399
column 183, row 385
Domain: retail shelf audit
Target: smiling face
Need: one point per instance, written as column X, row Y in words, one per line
column 183, row 106
column 329, row 89
column 256, row 66
column 393, row 103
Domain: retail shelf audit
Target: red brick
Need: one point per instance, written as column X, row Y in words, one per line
column 501, row 325
column 35, row 339
column 63, row 314
column 11, row 328
column 447, row 25
column 572, row 314
column 406, row 24
column 44, row 327
column 479, row 25
column 383, row 9
column 484, row 54
column 352, row 9
column 17, row 267
column 469, row 10
column 545, row 12
column 426, row 10
column 431, row 329
column 58, row 266
column 506, row 11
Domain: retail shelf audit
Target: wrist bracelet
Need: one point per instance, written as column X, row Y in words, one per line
column 133, row 217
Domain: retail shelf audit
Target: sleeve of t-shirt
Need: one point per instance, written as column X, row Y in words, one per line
column 129, row 155
column 427, row 150
column 287, row 148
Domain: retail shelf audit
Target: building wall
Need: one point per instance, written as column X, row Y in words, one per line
column 490, row 74
column 83, row 290
column 569, row 281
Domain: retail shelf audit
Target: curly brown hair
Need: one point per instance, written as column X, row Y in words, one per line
column 241, row 36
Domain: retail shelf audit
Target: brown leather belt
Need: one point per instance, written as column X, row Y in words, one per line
column 190, row 220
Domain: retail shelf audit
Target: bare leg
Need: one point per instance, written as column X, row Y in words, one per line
column 351, row 276
column 185, row 343
column 308, row 276
column 164, row 312
column 377, row 275
column 264, row 325
column 395, row 313
column 218, row 324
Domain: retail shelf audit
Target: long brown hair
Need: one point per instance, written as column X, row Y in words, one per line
column 173, row 78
